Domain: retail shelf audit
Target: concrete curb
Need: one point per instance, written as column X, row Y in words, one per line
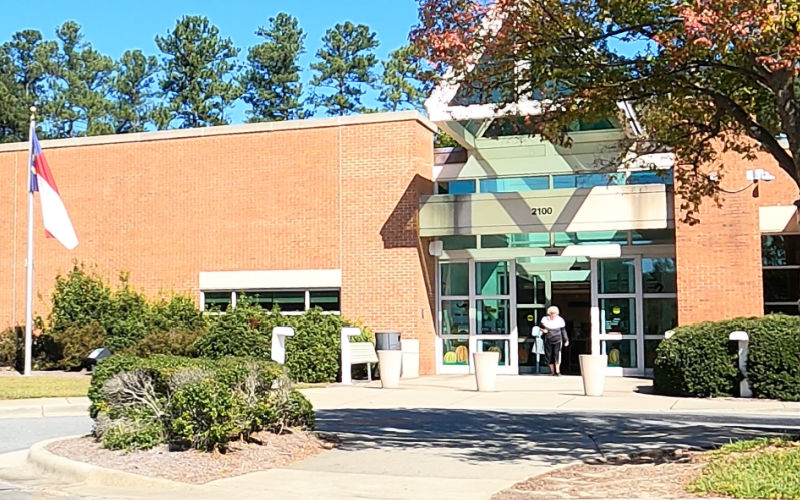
column 50, row 463
column 44, row 407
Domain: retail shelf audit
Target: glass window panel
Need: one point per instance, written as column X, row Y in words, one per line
column 619, row 316
column 620, row 352
column 515, row 184
column 527, row 240
column 790, row 309
column 327, row 300
column 574, row 181
column 455, row 278
column 290, row 301
column 584, row 126
column 459, row 242
column 653, row 237
column 651, row 177
column 589, row 238
column 659, row 275
column 456, row 187
column 781, row 285
column 650, row 347
column 455, row 352
column 217, row 300
column 455, row 317
column 491, row 278
column 493, row 317
column 780, row 250
column 660, row 315
column 499, row 346
column 617, row 276
column 530, row 288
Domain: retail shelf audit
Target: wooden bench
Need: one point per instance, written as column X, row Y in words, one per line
column 363, row 352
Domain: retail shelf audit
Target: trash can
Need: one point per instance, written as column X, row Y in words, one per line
column 410, row 348
column 387, row 341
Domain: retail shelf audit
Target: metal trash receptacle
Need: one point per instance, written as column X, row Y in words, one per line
column 387, row 341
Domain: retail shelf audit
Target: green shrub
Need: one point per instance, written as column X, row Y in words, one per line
column 67, row 349
column 699, row 360
column 245, row 330
column 696, row 361
column 205, row 414
column 79, row 298
column 773, row 366
column 312, row 355
column 139, row 402
column 179, row 312
column 178, row 342
column 12, row 348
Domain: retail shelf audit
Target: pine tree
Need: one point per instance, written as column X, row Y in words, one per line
column 199, row 76
column 272, row 82
column 24, row 66
column 346, row 64
column 404, row 80
column 79, row 82
column 133, row 92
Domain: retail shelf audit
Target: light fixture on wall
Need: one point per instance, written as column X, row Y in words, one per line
column 756, row 175
column 435, row 248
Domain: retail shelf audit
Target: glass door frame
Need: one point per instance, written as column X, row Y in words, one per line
column 598, row 324
column 511, row 366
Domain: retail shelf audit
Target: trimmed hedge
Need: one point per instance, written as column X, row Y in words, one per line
column 138, row 403
column 699, row 360
column 773, row 367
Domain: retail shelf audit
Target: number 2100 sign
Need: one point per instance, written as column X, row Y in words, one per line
column 542, row 211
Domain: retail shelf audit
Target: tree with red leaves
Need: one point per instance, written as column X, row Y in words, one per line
column 704, row 76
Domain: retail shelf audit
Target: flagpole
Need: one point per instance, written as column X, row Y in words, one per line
column 29, row 259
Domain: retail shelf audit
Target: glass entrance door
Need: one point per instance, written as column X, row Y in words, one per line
column 476, row 314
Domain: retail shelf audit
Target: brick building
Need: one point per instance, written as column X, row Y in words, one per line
column 461, row 249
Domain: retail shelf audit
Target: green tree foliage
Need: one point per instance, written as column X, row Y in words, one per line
column 24, row 64
column 406, row 81
column 199, row 72
column 133, row 91
column 79, row 81
column 346, row 66
column 705, row 77
column 272, row 81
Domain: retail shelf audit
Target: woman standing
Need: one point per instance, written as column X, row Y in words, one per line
column 555, row 335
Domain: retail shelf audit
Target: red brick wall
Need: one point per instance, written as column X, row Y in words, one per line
column 385, row 270
column 719, row 259
column 166, row 209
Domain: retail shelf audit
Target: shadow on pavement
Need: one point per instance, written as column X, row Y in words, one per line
column 478, row 436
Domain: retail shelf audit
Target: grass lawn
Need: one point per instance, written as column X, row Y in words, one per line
column 13, row 387
column 758, row 468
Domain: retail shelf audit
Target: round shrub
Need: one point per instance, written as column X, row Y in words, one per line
column 312, row 355
column 201, row 403
column 773, row 366
column 700, row 360
column 696, row 361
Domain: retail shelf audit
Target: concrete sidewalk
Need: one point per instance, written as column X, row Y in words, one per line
column 541, row 392
column 44, row 407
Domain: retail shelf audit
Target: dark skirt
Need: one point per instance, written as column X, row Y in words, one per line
column 552, row 352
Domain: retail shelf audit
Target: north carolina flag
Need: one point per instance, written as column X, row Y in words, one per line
column 54, row 214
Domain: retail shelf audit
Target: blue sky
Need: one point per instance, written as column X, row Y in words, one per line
column 113, row 27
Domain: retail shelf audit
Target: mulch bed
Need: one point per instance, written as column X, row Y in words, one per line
column 196, row 467
column 652, row 475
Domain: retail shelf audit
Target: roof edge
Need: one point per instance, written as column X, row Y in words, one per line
column 246, row 128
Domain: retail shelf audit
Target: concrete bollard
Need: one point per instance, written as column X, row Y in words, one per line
column 279, row 334
column 743, row 339
column 344, row 339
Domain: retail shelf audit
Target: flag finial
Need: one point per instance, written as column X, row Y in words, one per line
column 33, row 112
